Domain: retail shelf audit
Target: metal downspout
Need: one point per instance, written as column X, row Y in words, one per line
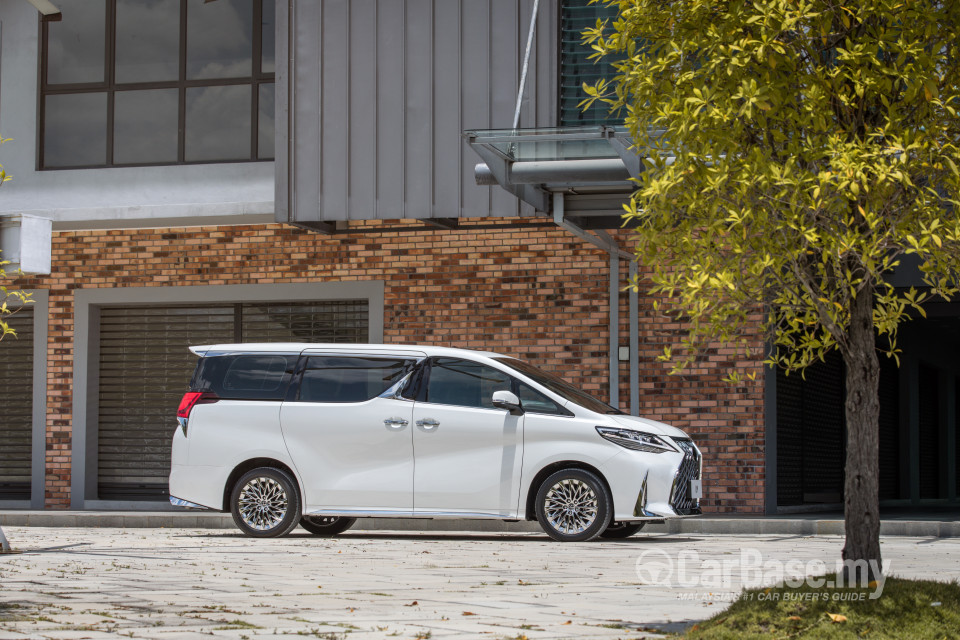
column 634, row 302
column 603, row 241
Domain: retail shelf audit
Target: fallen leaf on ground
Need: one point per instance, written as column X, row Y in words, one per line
column 794, row 618
column 836, row 617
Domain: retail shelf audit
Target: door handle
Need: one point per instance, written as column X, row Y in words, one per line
column 428, row 424
column 395, row 423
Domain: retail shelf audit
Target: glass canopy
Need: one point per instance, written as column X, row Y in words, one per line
column 522, row 145
column 593, row 167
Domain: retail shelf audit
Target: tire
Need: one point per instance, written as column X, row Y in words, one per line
column 326, row 526
column 621, row 530
column 573, row 505
column 265, row 503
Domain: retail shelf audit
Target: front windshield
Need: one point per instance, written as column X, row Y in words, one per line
column 559, row 386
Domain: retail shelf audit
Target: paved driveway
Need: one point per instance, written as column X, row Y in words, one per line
column 173, row 583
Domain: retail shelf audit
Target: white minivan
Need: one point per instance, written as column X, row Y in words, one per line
column 322, row 434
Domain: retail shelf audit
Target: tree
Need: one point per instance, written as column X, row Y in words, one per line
column 796, row 151
column 11, row 300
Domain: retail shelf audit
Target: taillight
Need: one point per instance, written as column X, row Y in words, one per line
column 192, row 398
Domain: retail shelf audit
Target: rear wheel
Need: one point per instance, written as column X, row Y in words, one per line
column 621, row 530
column 573, row 505
column 265, row 503
column 326, row 525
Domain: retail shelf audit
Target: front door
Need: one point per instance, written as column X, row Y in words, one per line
column 353, row 449
column 467, row 452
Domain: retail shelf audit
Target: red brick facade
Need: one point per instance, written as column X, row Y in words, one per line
column 533, row 291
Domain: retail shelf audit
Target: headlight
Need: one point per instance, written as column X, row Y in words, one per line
column 636, row 440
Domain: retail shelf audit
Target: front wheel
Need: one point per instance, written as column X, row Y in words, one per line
column 573, row 505
column 621, row 530
column 265, row 503
column 326, row 525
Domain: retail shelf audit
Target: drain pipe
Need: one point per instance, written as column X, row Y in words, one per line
column 602, row 240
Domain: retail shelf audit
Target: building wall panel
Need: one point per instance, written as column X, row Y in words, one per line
column 390, row 86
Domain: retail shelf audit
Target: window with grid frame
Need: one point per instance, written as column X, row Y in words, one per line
column 157, row 82
column 576, row 67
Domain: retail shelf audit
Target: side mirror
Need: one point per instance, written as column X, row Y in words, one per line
column 509, row 401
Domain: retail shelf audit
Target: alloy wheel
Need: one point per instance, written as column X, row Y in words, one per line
column 262, row 503
column 571, row 506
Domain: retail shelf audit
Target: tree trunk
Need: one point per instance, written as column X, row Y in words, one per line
column 861, row 551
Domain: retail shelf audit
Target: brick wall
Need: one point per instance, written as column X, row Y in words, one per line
column 532, row 291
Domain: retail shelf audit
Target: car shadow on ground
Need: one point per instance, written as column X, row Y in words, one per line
column 438, row 536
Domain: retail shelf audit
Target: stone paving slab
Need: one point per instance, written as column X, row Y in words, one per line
column 185, row 583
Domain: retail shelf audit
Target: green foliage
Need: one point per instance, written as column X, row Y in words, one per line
column 796, row 150
column 11, row 300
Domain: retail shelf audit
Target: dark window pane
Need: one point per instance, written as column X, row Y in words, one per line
column 249, row 377
column 75, row 45
column 219, row 39
column 267, row 64
column 577, row 68
column 265, row 119
column 535, row 402
column 75, row 130
column 254, row 375
column 218, row 123
column 340, row 379
column 558, row 385
column 145, row 126
column 148, row 40
column 464, row 383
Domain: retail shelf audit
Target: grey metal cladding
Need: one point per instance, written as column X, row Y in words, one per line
column 379, row 92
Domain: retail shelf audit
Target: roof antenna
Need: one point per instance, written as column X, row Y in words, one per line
column 526, row 62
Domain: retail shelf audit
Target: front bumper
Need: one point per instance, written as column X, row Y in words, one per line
column 650, row 487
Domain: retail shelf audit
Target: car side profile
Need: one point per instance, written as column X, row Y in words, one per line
column 319, row 435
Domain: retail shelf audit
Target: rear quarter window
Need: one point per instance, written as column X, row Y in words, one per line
column 350, row 379
column 245, row 377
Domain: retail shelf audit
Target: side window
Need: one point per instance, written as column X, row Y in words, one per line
column 535, row 402
column 464, row 383
column 245, row 377
column 350, row 379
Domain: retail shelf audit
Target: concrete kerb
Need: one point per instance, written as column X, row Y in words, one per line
column 748, row 525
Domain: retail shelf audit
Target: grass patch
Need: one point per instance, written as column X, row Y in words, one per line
column 227, row 625
column 905, row 609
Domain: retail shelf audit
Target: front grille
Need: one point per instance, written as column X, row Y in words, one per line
column 689, row 470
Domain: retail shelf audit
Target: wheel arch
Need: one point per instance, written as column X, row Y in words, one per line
column 530, row 512
column 249, row 465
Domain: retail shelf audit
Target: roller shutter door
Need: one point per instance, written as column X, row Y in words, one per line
column 931, row 442
column 16, row 407
column 811, row 434
column 889, row 429
column 145, row 367
column 789, row 439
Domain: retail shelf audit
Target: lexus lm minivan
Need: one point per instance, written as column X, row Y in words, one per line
column 322, row 434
